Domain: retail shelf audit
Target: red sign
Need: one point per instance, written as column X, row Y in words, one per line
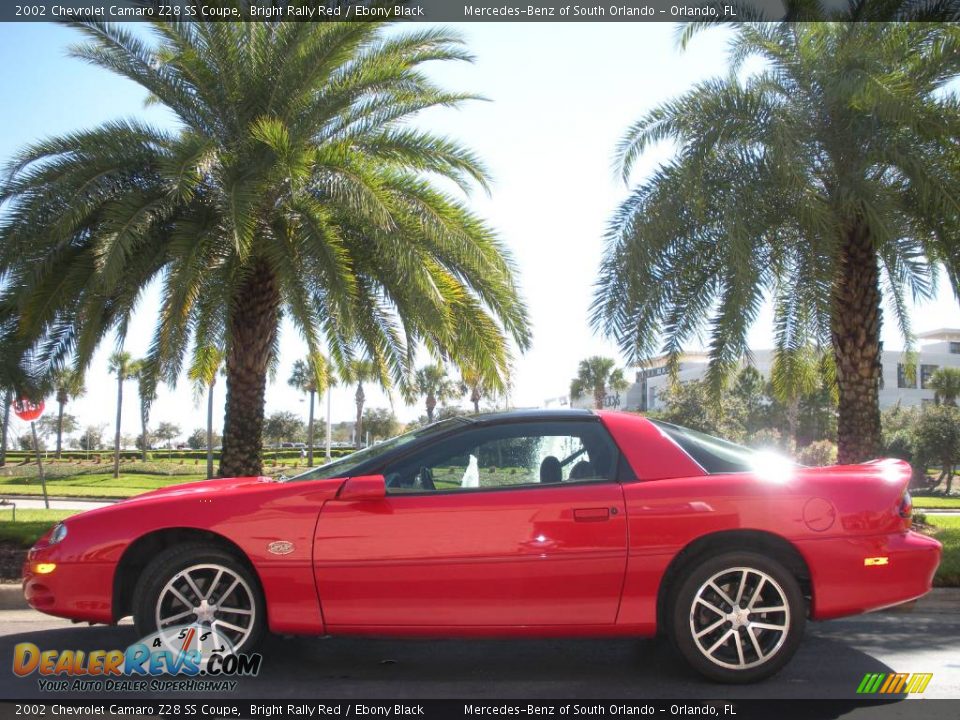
column 27, row 409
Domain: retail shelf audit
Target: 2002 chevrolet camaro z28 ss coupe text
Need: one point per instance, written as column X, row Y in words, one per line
column 528, row 523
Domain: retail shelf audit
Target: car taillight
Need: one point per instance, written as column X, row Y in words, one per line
column 905, row 510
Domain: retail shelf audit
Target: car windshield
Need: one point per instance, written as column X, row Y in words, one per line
column 345, row 466
column 712, row 454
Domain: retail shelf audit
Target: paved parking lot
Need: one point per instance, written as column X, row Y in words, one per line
column 830, row 664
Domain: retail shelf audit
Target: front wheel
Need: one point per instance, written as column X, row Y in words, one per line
column 738, row 617
column 201, row 585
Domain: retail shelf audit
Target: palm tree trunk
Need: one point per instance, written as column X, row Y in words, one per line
column 116, row 437
column 431, row 404
column 210, row 429
column 7, row 404
column 144, row 440
column 60, row 404
column 360, row 398
column 855, row 329
column 310, row 431
column 598, row 393
column 475, row 399
column 253, row 329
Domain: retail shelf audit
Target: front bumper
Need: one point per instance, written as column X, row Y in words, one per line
column 76, row 590
column 860, row 574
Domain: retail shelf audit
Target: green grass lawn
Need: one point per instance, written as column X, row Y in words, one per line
column 94, row 485
column 936, row 501
column 948, row 533
column 30, row 524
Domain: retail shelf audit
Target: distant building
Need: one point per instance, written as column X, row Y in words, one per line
column 937, row 348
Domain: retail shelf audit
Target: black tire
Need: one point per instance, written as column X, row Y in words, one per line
column 757, row 652
column 204, row 562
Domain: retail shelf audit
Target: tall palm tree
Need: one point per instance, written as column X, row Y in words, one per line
column 433, row 383
column 123, row 366
column 311, row 376
column 596, row 375
column 473, row 383
column 206, row 365
column 67, row 385
column 143, row 373
column 816, row 180
column 946, row 385
column 293, row 185
column 359, row 371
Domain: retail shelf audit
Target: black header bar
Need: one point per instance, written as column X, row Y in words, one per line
column 430, row 10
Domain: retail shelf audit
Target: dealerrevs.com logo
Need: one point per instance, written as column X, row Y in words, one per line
column 190, row 658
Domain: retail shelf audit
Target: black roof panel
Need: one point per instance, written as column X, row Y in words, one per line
column 531, row 414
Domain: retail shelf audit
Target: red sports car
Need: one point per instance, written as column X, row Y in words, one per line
column 532, row 524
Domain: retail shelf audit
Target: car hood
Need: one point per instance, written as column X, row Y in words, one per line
column 204, row 487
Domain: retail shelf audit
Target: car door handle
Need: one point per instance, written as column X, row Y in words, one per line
column 591, row 514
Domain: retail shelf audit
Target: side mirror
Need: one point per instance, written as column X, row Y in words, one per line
column 364, row 487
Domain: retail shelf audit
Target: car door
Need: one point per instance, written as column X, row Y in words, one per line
column 513, row 524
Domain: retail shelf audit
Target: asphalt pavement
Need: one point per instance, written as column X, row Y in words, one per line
column 831, row 662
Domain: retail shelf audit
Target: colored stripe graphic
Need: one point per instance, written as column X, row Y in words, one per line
column 894, row 683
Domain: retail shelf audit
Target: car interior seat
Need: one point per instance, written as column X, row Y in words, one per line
column 550, row 470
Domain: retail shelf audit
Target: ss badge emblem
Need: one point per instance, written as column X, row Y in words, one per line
column 280, row 547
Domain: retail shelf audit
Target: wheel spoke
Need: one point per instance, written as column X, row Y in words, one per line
column 756, row 593
column 213, row 585
column 710, row 605
column 756, row 644
column 225, row 595
column 174, row 618
column 778, row 608
column 225, row 624
column 743, row 585
column 238, row 611
column 710, row 628
column 721, row 593
column 723, row 639
column 180, row 597
column 768, row 626
column 193, row 586
column 736, row 638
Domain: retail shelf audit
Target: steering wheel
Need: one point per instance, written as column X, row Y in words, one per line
column 423, row 480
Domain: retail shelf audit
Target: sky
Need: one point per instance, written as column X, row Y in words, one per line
column 558, row 98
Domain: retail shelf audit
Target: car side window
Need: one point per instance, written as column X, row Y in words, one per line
column 513, row 454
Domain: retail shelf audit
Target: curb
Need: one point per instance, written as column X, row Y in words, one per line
column 11, row 597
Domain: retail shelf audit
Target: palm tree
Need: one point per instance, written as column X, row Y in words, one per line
column 143, row 373
column 207, row 364
column 123, row 366
column 359, row 371
column 293, row 185
column 432, row 382
column 946, row 385
column 473, row 383
column 67, row 385
column 7, row 405
column 311, row 376
column 824, row 175
column 596, row 375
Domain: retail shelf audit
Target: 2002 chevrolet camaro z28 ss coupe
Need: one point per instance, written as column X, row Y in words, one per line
column 530, row 524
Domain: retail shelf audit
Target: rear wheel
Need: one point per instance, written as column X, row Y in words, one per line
column 738, row 617
column 198, row 584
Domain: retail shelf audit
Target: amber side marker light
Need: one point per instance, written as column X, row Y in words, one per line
column 44, row 568
column 876, row 561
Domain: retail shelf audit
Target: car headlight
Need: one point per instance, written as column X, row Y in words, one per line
column 58, row 534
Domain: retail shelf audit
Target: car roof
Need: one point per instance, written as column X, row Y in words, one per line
column 531, row 414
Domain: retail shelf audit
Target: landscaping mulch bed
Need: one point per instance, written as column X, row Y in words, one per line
column 11, row 562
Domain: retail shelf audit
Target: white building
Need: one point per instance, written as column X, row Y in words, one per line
column 937, row 348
